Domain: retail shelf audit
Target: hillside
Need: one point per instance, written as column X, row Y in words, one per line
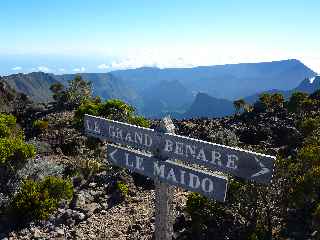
column 10, row 100
column 106, row 86
column 166, row 96
column 207, row 106
column 100, row 209
column 308, row 85
column 36, row 85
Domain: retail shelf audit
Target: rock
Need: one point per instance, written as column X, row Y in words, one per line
column 36, row 233
column 78, row 216
column 70, row 222
column 91, row 208
column 78, row 201
column 59, row 231
column 92, row 184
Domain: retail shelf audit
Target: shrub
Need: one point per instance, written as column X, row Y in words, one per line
column 269, row 102
column 7, row 125
column 114, row 109
column 296, row 101
column 122, row 188
column 224, row 136
column 77, row 92
column 39, row 199
column 41, row 125
column 203, row 212
column 308, row 125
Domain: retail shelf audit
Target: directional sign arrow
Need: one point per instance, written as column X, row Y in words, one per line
column 263, row 170
column 111, row 155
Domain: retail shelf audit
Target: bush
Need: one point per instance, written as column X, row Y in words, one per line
column 41, row 125
column 296, row 101
column 39, row 199
column 114, row 109
column 7, row 125
column 13, row 148
column 203, row 212
column 122, row 188
column 77, row 92
column 309, row 125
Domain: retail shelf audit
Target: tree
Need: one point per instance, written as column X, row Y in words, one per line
column 296, row 101
column 277, row 100
column 239, row 104
column 58, row 91
column 79, row 90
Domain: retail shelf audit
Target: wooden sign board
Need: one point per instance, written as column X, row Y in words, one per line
column 239, row 162
column 172, row 173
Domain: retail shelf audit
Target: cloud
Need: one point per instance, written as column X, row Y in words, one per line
column 62, row 70
column 17, row 68
column 82, row 69
column 103, row 66
column 43, row 69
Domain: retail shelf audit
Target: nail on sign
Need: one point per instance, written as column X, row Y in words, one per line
column 210, row 185
column 242, row 163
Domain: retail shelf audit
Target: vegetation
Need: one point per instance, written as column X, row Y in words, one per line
column 122, row 188
column 269, row 102
column 40, row 125
column 78, row 91
column 13, row 149
column 296, row 102
column 113, row 109
column 239, row 105
column 39, row 199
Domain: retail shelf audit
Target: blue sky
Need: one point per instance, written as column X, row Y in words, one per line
column 100, row 35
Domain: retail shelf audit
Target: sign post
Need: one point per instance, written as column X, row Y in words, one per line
column 163, row 194
column 165, row 147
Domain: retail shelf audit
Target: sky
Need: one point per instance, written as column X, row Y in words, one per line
column 70, row 36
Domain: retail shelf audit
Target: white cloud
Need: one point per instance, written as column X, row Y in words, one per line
column 82, row 69
column 62, row 70
column 17, row 68
column 43, row 69
column 104, row 66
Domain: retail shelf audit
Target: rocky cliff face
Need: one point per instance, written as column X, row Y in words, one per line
column 10, row 100
column 36, row 85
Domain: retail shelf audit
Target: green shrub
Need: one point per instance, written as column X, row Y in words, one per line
column 13, row 148
column 296, row 101
column 309, row 125
column 39, row 199
column 202, row 212
column 114, row 109
column 41, row 125
column 122, row 188
column 7, row 125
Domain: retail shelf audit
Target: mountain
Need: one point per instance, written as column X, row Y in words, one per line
column 166, row 96
column 229, row 81
column 36, row 85
column 207, row 106
column 308, row 85
column 107, row 86
column 10, row 100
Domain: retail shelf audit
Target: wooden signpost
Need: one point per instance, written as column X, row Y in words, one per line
column 165, row 147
